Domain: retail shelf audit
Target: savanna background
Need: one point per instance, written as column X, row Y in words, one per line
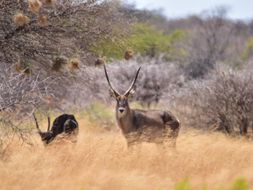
column 199, row 66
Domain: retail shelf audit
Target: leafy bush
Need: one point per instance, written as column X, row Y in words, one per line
column 239, row 184
column 248, row 51
column 144, row 39
column 183, row 185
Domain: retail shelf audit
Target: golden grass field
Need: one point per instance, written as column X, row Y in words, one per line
column 100, row 160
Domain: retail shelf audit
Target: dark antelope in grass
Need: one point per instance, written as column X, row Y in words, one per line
column 137, row 125
column 65, row 123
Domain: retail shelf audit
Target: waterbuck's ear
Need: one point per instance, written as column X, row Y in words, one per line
column 112, row 93
column 131, row 93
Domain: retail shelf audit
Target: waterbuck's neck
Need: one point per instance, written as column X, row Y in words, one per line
column 125, row 120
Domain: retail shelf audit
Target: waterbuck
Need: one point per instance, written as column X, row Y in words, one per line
column 137, row 125
column 65, row 123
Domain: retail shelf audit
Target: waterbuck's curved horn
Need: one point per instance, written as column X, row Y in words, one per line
column 114, row 91
column 133, row 82
column 36, row 122
column 48, row 122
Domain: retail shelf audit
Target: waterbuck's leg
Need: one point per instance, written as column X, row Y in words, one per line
column 133, row 141
column 134, row 147
column 171, row 130
column 131, row 144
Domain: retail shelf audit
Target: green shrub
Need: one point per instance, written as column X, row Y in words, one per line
column 239, row 184
column 100, row 113
column 183, row 185
column 144, row 39
column 248, row 50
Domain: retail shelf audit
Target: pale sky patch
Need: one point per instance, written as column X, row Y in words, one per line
column 238, row 9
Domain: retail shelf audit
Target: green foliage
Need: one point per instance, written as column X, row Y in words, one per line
column 143, row 39
column 239, row 184
column 248, row 51
column 183, row 185
column 101, row 114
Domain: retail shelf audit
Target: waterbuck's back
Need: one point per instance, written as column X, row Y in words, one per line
column 148, row 118
column 151, row 125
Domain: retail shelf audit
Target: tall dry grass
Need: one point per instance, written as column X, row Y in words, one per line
column 100, row 160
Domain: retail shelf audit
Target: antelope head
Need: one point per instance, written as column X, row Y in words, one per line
column 122, row 107
column 47, row 136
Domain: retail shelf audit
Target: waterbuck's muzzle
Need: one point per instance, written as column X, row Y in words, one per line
column 121, row 110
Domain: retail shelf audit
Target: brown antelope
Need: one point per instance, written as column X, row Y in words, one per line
column 140, row 125
column 63, row 124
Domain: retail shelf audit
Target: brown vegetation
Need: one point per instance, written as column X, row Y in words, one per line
column 224, row 99
column 100, row 160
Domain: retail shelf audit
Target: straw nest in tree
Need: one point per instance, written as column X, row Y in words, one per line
column 49, row 2
column 128, row 54
column 59, row 62
column 34, row 6
column 23, row 67
column 20, row 19
column 42, row 21
column 74, row 63
column 100, row 61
